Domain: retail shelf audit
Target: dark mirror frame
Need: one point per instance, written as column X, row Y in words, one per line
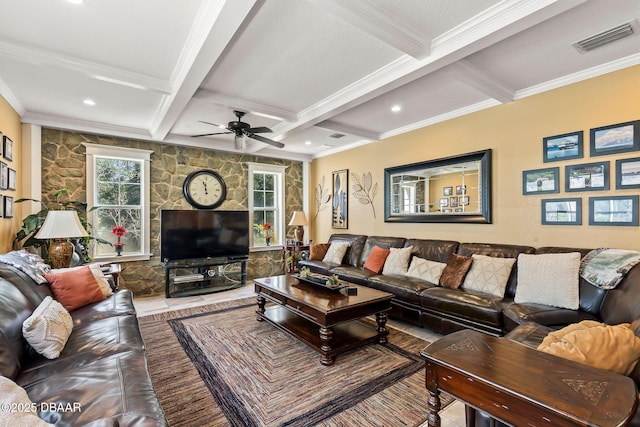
column 482, row 217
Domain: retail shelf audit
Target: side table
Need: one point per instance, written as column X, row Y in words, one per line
column 291, row 253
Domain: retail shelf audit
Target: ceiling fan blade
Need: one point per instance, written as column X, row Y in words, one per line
column 209, row 134
column 265, row 140
column 213, row 124
column 261, row 129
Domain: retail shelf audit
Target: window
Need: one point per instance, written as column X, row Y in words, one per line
column 118, row 194
column 266, row 204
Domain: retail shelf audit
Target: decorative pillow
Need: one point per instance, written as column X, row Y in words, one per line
column 48, row 328
column 75, row 288
column 98, row 274
column 317, row 251
column 336, row 252
column 426, row 269
column 375, row 260
column 455, row 271
column 549, row 279
column 489, row 274
column 398, row 261
column 12, row 395
column 614, row 348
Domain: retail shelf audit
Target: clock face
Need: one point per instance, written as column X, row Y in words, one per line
column 204, row 189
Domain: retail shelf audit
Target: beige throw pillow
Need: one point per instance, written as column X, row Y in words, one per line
column 336, row 252
column 549, row 279
column 614, row 348
column 14, row 396
column 426, row 269
column 488, row 274
column 398, row 261
column 48, row 328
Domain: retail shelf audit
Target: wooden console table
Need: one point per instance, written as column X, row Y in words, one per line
column 521, row 386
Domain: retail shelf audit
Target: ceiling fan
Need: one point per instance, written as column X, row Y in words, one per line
column 241, row 129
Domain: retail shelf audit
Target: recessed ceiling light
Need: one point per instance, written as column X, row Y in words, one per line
column 307, row 143
column 76, row 1
column 396, row 108
column 90, row 102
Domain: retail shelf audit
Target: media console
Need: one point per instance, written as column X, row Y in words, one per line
column 204, row 275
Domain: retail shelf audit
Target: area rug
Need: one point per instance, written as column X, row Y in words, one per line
column 216, row 365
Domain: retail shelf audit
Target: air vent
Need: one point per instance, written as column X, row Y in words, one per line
column 336, row 135
column 604, row 38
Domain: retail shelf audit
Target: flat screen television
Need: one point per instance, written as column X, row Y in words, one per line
column 195, row 234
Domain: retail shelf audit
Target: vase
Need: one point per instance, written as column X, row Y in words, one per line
column 268, row 240
column 119, row 250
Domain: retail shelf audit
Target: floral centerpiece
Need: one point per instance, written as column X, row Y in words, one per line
column 118, row 231
column 265, row 230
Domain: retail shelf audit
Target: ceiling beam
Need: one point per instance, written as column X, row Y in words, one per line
column 481, row 81
column 214, row 29
column 378, row 23
column 246, row 106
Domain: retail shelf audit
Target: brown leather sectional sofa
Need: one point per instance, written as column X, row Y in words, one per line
column 445, row 310
column 101, row 377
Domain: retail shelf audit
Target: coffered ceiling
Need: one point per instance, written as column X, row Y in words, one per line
column 323, row 75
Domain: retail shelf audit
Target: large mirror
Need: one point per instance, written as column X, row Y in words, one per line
column 453, row 189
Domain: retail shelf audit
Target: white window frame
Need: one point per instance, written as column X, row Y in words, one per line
column 122, row 153
column 279, row 172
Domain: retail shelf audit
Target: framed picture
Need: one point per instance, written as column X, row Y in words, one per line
column 447, row 191
column 444, row 201
column 8, row 207
column 461, row 189
column 340, row 206
column 1, row 144
column 540, row 181
column 613, row 210
column 464, row 200
column 11, row 184
column 7, row 148
column 628, row 173
column 619, row 138
column 4, row 176
column 562, row 211
column 587, row 177
column 562, row 147
column 458, row 210
column 453, row 202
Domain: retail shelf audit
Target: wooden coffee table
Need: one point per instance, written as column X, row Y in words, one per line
column 326, row 321
column 522, row 386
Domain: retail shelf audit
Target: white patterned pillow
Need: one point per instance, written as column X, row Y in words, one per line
column 426, row 269
column 336, row 252
column 398, row 261
column 14, row 396
column 550, row 279
column 489, row 274
column 48, row 328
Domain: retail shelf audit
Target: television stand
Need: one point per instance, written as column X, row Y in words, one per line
column 199, row 276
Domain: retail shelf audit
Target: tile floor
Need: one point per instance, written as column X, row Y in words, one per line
column 452, row 416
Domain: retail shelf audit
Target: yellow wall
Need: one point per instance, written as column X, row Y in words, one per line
column 10, row 126
column 514, row 132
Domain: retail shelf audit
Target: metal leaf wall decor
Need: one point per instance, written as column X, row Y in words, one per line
column 322, row 197
column 364, row 190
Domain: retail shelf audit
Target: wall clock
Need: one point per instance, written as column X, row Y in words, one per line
column 204, row 189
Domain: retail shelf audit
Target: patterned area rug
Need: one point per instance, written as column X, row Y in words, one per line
column 216, row 365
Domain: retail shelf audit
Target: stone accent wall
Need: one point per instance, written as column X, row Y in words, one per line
column 63, row 166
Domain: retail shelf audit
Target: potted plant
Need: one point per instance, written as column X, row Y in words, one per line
column 32, row 223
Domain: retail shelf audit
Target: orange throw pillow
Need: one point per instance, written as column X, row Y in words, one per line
column 317, row 251
column 375, row 260
column 75, row 288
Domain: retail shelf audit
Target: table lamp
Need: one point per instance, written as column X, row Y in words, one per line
column 298, row 219
column 60, row 226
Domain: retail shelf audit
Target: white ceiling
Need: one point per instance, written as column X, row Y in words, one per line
column 306, row 69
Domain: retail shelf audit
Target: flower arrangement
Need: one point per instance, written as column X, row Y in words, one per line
column 118, row 231
column 265, row 230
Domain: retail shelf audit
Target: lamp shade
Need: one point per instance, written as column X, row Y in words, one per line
column 298, row 218
column 61, row 225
